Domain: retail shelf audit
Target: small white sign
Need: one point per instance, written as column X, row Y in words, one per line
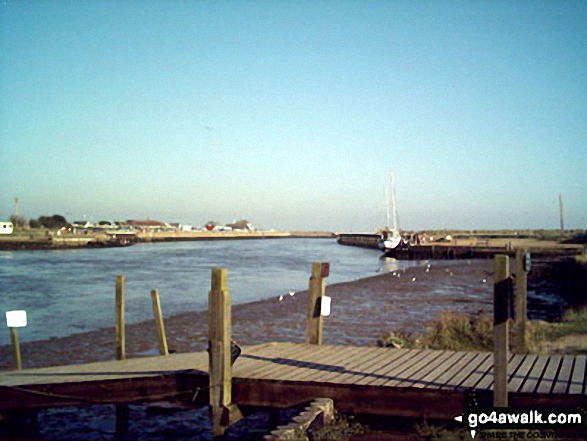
column 16, row 319
column 6, row 227
column 325, row 306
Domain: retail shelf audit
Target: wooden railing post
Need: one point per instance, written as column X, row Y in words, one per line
column 501, row 303
column 16, row 348
column 163, row 350
column 522, row 267
column 120, row 337
column 222, row 411
column 316, row 289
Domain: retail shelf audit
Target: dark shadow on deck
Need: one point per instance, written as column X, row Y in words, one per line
column 340, row 369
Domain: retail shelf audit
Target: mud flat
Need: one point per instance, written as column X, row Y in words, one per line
column 361, row 310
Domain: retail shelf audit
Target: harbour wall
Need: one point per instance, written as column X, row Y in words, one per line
column 466, row 248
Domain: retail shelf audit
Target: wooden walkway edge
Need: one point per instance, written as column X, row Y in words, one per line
column 384, row 381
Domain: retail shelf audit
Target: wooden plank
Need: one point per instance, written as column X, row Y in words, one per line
column 518, row 378
column 564, row 375
column 577, row 385
column 461, row 378
column 290, row 366
column 395, row 368
column 107, row 370
column 487, row 381
column 352, row 375
column 444, row 375
column 264, row 360
column 534, row 376
column 442, row 361
column 378, row 374
column 251, row 360
column 353, row 398
column 514, row 364
column 406, row 374
column 323, row 362
column 478, row 374
column 432, row 370
column 370, row 367
column 352, row 363
column 548, row 379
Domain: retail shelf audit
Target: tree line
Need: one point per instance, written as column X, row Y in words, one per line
column 53, row 222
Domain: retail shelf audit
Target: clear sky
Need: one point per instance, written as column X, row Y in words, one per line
column 291, row 113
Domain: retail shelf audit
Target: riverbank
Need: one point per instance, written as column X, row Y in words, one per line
column 362, row 310
column 48, row 241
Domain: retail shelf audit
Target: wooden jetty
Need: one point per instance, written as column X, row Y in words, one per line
column 464, row 248
column 420, row 383
column 384, row 381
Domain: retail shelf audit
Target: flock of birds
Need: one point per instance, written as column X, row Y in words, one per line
column 397, row 274
column 291, row 294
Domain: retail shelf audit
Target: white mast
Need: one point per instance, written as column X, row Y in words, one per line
column 387, row 206
column 394, row 202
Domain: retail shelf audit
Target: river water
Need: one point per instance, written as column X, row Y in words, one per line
column 70, row 291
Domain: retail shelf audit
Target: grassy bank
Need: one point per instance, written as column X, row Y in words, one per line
column 463, row 333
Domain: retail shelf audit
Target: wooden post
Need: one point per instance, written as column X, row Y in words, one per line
column 159, row 321
column 314, row 321
column 122, row 419
column 562, row 214
column 521, row 312
column 223, row 412
column 501, row 287
column 16, row 348
column 120, row 337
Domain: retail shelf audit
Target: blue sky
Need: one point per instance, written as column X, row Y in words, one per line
column 290, row 113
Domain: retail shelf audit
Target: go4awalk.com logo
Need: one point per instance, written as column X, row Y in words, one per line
column 508, row 423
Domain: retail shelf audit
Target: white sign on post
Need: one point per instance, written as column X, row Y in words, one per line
column 325, row 306
column 16, row 319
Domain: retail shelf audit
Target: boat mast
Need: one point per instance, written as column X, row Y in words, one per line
column 394, row 202
column 387, row 206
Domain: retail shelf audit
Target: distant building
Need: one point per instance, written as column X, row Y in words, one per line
column 241, row 225
column 147, row 225
column 211, row 226
column 81, row 224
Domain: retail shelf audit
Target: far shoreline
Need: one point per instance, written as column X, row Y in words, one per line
column 31, row 242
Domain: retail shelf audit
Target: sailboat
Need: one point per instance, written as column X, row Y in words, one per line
column 391, row 238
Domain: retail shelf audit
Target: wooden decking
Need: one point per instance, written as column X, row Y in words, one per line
column 402, row 382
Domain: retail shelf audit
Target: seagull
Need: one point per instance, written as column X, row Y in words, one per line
column 394, row 273
column 427, row 270
column 280, row 298
column 291, row 293
column 413, row 279
column 484, row 280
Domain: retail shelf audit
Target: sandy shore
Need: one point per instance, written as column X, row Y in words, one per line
column 361, row 311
